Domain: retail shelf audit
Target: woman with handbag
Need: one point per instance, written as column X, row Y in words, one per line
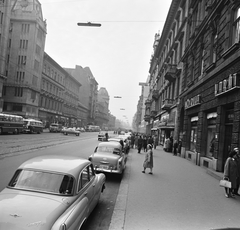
column 148, row 162
column 231, row 173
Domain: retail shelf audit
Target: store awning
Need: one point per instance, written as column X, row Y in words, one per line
column 154, row 129
column 194, row 118
column 211, row 115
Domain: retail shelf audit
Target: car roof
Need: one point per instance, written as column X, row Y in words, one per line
column 110, row 144
column 55, row 163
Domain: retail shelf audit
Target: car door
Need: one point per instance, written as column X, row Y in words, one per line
column 87, row 185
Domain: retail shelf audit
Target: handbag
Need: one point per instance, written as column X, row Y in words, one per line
column 225, row 183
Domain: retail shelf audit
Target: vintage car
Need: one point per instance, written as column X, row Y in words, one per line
column 102, row 136
column 125, row 140
column 109, row 157
column 74, row 131
column 51, row 192
column 55, row 128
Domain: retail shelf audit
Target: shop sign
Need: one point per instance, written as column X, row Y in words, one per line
column 189, row 103
column 228, row 84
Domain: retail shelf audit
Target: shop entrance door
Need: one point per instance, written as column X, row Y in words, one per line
column 227, row 142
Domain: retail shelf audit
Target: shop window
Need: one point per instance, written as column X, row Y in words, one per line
column 193, row 139
column 211, row 134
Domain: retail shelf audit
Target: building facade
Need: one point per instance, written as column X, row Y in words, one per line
column 102, row 110
column 88, row 94
column 166, row 74
column 210, row 103
column 24, row 52
column 5, row 12
column 195, row 80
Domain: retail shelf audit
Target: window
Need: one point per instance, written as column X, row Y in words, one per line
column 20, row 77
column 83, row 179
column 18, row 92
column 25, row 28
column 23, row 44
column 236, row 26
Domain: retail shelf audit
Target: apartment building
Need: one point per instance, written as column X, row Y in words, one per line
column 4, row 31
column 23, row 58
column 166, row 74
column 195, row 80
column 209, row 106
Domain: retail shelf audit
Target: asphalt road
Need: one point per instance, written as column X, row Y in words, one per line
column 15, row 149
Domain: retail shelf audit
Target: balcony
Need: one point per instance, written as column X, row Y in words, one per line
column 171, row 72
column 155, row 94
column 153, row 113
column 147, row 118
column 148, row 104
column 167, row 104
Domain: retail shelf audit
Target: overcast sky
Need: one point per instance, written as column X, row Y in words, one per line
column 118, row 53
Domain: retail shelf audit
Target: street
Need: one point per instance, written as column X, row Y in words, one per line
column 15, row 149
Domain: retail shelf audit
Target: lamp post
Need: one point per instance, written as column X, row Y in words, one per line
column 117, row 97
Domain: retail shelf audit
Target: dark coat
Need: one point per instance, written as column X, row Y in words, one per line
column 231, row 171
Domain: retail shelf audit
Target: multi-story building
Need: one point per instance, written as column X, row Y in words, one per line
column 52, row 106
column 24, row 57
column 88, row 93
column 140, row 122
column 210, row 101
column 5, row 11
column 166, row 73
column 102, row 110
column 195, row 77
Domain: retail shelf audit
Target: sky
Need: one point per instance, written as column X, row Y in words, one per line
column 118, row 53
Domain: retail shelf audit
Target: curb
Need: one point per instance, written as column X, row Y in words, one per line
column 118, row 216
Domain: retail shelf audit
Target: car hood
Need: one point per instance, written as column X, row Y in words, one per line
column 21, row 210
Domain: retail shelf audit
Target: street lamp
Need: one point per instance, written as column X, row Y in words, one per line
column 117, row 97
column 89, row 24
column 122, row 109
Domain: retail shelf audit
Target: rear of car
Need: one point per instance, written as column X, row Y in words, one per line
column 109, row 157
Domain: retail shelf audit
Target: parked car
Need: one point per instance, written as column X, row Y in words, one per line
column 102, row 136
column 109, row 157
column 55, row 128
column 74, row 131
column 51, row 192
column 125, row 140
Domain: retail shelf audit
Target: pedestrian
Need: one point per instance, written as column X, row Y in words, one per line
column 150, row 140
column 155, row 141
column 145, row 144
column 167, row 144
column 175, row 147
column 136, row 142
column 179, row 147
column 231, row 173
column 148, row 162
column 106, row 136
column 132, row 140
column 238, row 168
column 140, row 144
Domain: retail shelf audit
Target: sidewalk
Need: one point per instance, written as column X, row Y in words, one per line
column 136, row 208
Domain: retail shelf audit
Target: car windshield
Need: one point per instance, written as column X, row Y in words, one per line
column 54, row 125
column 108, row 149
column 42, row 181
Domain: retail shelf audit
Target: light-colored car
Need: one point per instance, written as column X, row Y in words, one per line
column 125, row 140
column 109, row 157
column 101, row 136
column 55, row 128
column 74, row 131
column 51, row 192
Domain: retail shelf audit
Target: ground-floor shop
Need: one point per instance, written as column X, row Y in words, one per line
column 209, row 121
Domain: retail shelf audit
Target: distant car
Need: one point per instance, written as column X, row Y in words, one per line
column 55, row 128
column 109, row 157
column 125, row 140
column 102, row 136
column 74, row 131
column 51, row 192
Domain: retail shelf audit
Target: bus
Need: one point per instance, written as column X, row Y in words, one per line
column 11, row 123
column 93, row 128
column 32, row 126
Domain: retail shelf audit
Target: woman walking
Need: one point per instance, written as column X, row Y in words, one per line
column 231, row 173
column 148, row 162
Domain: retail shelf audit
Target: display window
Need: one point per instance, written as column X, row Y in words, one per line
column 193, row 134
column 211, row 134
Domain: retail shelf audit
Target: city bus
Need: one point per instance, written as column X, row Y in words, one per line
column 11, row 123
column 32, row 126
column 93, row 128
